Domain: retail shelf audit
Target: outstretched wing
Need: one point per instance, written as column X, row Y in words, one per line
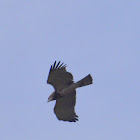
column 65, row 108
column 58, row 76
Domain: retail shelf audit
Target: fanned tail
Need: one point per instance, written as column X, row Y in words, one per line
column 85, row 81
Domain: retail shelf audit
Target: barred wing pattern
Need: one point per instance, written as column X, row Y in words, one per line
column 58, row 77
column 65, row 108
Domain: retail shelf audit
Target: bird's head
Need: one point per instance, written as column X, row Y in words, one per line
column 55, row 95
column 52, row 97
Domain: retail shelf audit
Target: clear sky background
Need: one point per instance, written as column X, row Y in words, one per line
column 100, row 37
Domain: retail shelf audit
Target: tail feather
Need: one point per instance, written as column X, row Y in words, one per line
column 85, row 81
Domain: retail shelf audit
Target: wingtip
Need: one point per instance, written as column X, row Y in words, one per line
column 54, row 64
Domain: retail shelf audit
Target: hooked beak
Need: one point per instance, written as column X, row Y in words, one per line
column 48, row 100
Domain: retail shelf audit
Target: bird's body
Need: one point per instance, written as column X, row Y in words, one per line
column 65, row 91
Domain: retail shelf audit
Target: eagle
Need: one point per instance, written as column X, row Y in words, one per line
column 65, row 91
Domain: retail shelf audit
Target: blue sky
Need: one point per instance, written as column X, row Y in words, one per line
column 97, row 37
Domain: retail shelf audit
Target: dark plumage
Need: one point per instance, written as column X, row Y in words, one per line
column 65, row 91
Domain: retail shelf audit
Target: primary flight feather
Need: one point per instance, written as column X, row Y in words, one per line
column 65, row 91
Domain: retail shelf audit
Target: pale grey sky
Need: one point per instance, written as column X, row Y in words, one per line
column 97, row 37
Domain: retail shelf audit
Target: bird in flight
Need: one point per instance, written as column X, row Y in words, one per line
column 65, row 91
